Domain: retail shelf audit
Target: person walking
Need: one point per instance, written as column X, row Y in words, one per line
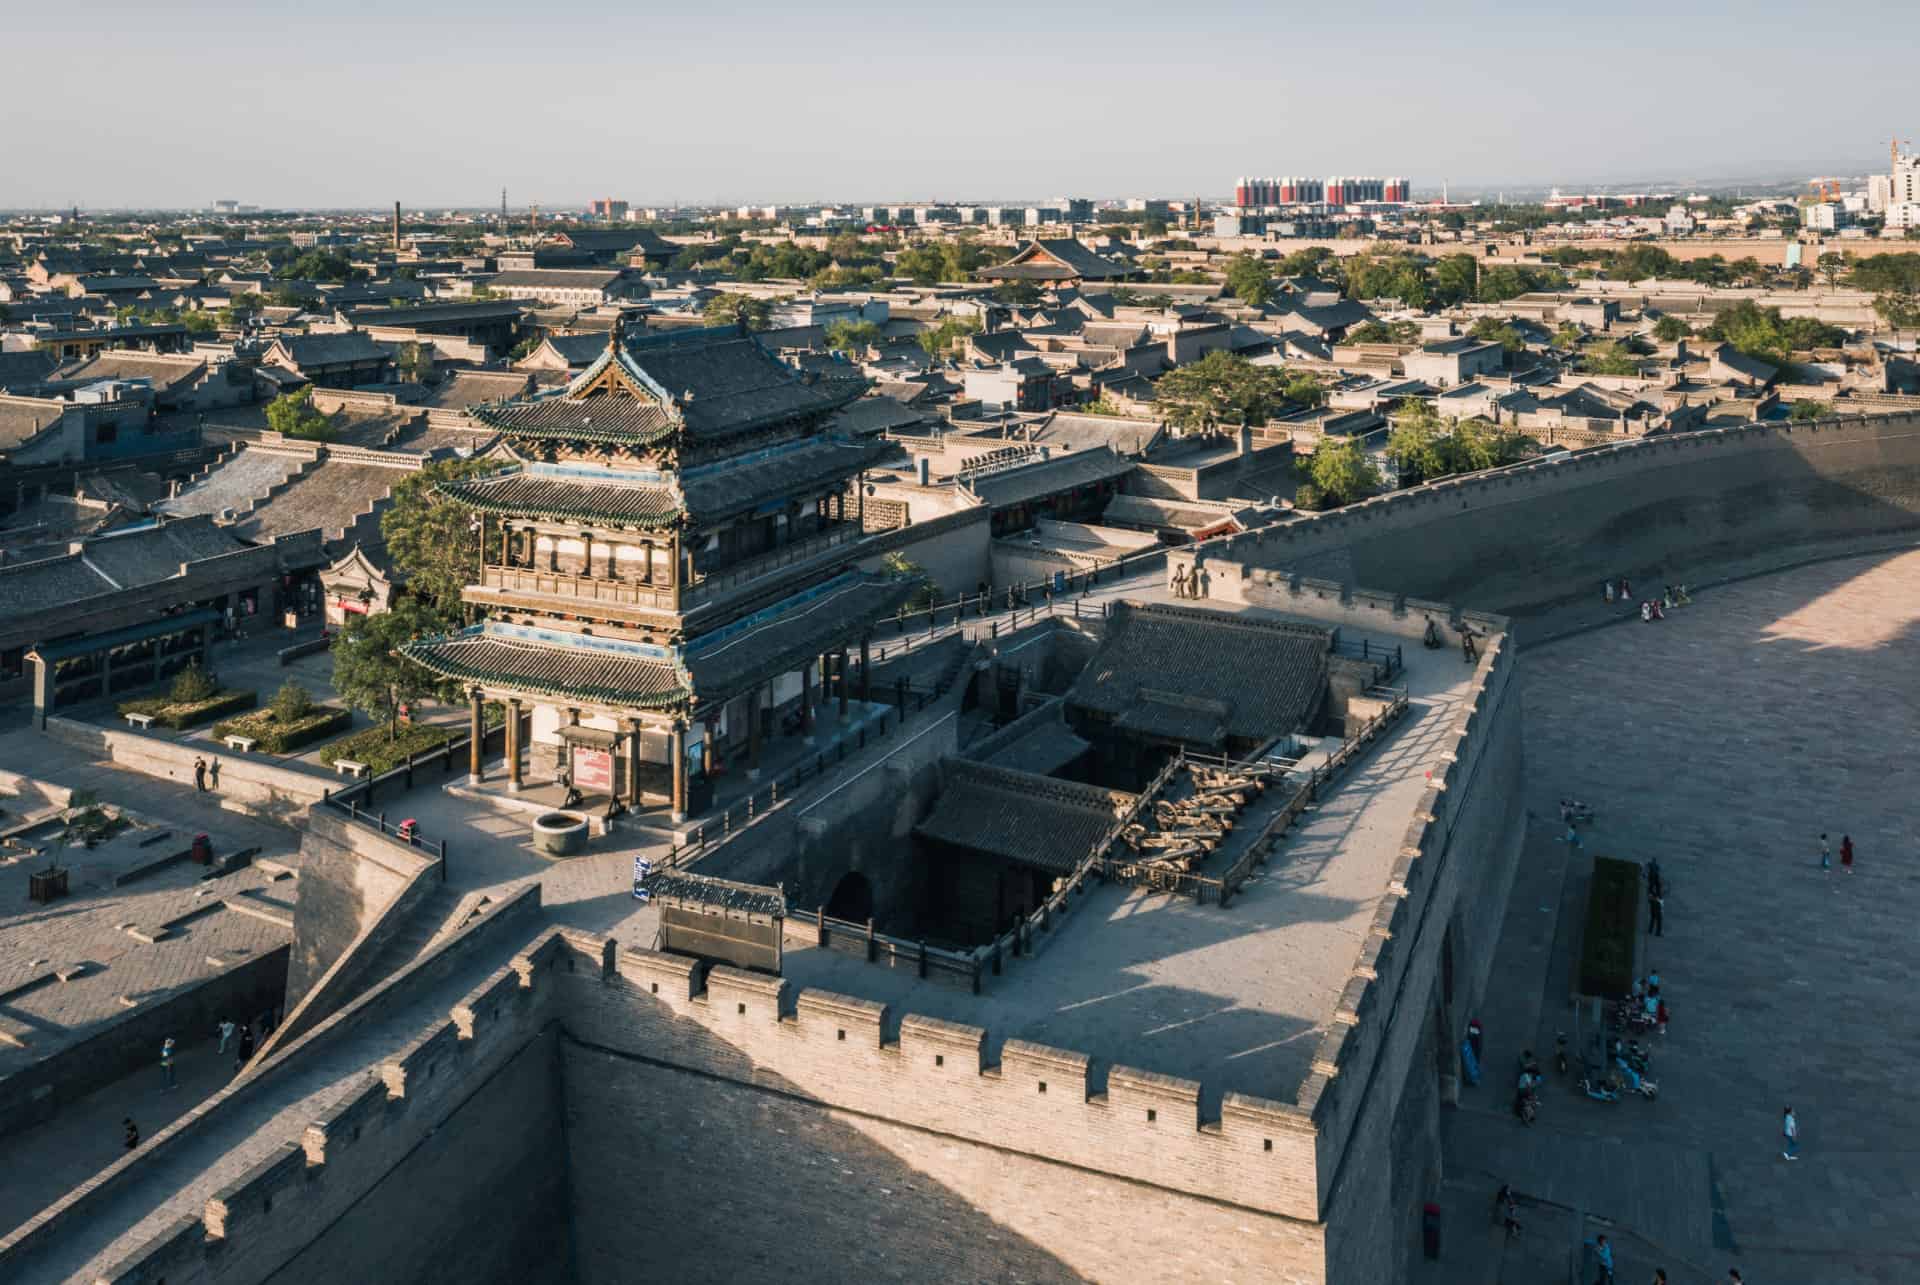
column 1603, row 1258
column 213, row 774
column 132, row 1139
column 1826, row 854
column 200, row 775
column 166, row 1063
column 1659, row 1276
column 225, row 1029
column 1790, row 1130
column 245, row 1050
column 1655, row 883
column 1846, row 853
column 1655, row 923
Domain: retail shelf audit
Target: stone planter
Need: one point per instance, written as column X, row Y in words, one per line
column 559, row 834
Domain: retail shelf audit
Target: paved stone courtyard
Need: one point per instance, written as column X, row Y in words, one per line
column 1723, row 741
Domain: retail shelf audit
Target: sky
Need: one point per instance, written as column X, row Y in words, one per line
column 361, row 103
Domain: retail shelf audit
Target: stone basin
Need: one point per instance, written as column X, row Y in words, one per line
column 559, row 834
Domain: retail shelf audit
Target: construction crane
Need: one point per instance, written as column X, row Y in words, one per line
column 1824, row 189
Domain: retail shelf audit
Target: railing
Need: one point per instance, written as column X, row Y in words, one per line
column 705, row 588
column 561, row 584
column 354, row 800
column 1367, row 649
column 828, row 933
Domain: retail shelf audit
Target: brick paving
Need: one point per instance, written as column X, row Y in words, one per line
column 1723, row 740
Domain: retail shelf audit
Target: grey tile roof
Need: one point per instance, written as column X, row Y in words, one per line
column 328, row 498
column 557, row 278
column 566, row 670
column 730, row 660
column 1046, row 749
column 236, row 483
column 21, row 368
column 1185, row 673
column 469, row 388
column 149, row 554
column 537, row 495
column 54, row 582
column 1037, row 821
column 1050, row 477
column 722, row 490
column 345, row 348
column 21, row 418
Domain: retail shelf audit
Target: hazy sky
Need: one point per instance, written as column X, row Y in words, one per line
column 353, row 102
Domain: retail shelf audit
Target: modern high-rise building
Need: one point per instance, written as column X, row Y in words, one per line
column 1264, row 193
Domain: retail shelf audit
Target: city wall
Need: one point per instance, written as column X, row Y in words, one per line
column 1657, row 509
column 356, row 887
column 248, row 786
column 892, row 1146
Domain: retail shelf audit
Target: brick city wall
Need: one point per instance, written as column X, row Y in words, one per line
column 350, row 878
column 1375, row 1089
column 249, row 786
column 1655, row 509
column 825, row 1100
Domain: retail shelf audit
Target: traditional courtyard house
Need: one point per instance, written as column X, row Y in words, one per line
column 346, row 360
column 666, row 567
column 1054, row 262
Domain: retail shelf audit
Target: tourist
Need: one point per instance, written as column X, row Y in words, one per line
column 1626, row 588
column 1658, row 612
column 225, row 1030
column 1654, row 882
column 1660, row 1017
column 245, row 1050
column 1573, row 836
column 213, row 774
column 1646, row 611
column 1179, row 582
column 1826, row 854
column 1603, row 1257
column 1846, row 853
column 1734, row 1277
column 1681, row 596
column 200, row 775
column 166, row 1063
column 1659, row 1277
column 1608, row 591
column 1666, row 599
column 133, row 1133
column 1655, row 919
column 1790, row 1130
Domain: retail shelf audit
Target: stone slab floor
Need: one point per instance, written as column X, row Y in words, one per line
column 1723, row 740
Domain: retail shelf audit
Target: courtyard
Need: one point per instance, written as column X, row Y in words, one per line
column 1722, row 741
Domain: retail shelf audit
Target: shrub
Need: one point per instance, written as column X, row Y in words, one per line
column 191, row 685
column 385, row 747
column 292, row 702
column 279, row 736
column 1613, row 919
column 179, row 716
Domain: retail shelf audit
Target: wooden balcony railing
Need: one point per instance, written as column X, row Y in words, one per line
column 560, row 584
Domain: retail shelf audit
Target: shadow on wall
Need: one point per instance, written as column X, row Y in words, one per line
column 1657, row 509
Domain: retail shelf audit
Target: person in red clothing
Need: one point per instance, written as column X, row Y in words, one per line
column 1846, row 853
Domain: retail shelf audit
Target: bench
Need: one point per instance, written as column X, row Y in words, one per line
column 244, row 744
column 347, row 767
column 141, row 721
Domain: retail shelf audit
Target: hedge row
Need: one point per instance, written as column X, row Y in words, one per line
column 276, row 737
column 179, row 717
column 1613, row 920
column 383, row 748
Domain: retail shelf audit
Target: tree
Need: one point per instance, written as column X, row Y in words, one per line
column 1456, row 278
column 292, row 702
column 1304, row 390
column 1250, row 279
column 1610, row 359
column 852, row 336
column 1895, row 281
column 1639, row 262
column 1305, row 263
column 1414, row 445
column 1222, row 388
column 1670, row 328
column 1803, row 411
column 1020, row 294
column 1568, row 335
column 432, row 541
column 1341, row 473
column 730, row 309
column 415, row 361
column 198, row 322
column 318, row 265
column 1498, row 331
column 525, row 348
column 901, row 567
column 295, row 415
column 370, row 675
column 942, row 339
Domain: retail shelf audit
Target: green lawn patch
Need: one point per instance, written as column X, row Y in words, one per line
column 1613, row 919
column 180, row 715
column 277, row 735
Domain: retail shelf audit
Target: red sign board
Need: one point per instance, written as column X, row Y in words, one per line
column 592, row 771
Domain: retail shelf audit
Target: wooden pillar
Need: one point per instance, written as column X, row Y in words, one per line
column 845, row 680
column 483, row 548
column 866, row 669
column 806, row 700
column 506, row 544
column 513, row 745
column 677, row 752
column 477, row 728
column 753, row 734
column 674, row 570
column 586, row 554
column 632, row 726
column 860, row 499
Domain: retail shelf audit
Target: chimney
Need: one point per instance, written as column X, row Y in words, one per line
column 923, row 470
column 1246, row 439
column 396, row 229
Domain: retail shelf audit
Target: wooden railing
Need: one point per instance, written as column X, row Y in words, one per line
column 561, row 584
column 707, row 587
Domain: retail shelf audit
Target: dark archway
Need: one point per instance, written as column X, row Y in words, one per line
column 852, row 899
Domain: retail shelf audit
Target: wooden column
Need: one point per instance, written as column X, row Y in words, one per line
column 806, row 699
column 677, row 751
column 846, row 680
column 506, row 544
column 866, row 670
column 483, row 548
column 674, row 570
column 513, row 745
column 753, row 734
column 633, row 762
column 477, row 728
column 586, row 554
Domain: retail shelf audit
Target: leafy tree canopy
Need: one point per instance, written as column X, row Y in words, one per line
column 852, row 336
column 370, row 676
column 730, row 308
column 1340, row 472
column 1250, row 279
column 434, row 542
column 1222, row 388
column 1498, row 331
column 295, row 415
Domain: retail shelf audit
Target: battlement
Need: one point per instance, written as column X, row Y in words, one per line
column 851, row 1054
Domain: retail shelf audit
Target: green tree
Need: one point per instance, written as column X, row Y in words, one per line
column 295, row 415
column 1498, row 331
column 199, row 322
column 1250, row 279
column 1304, row 390
column 415, row 361
column 730, row 308
column 525, row 348
column 940, row 340
column 1610, row 359
column 292, row 702
column 1670, row 328
column 1221, row 388
column 1018, row 294
column 434, row 542
column 1414, row 445
column 1568, row 335
column 1341, row 473
column 1806, row 410
column 192, row 685
column 1639, row 262
column 368, row 672
column 852, row 336
column 318, row 265
column 1306, row 263
column 1456, row 279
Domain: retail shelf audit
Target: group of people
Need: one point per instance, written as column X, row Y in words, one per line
column 1191, row 586
column 245, row 1031
column 1846, row 853
column 1655, row 608
column 202, row 772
